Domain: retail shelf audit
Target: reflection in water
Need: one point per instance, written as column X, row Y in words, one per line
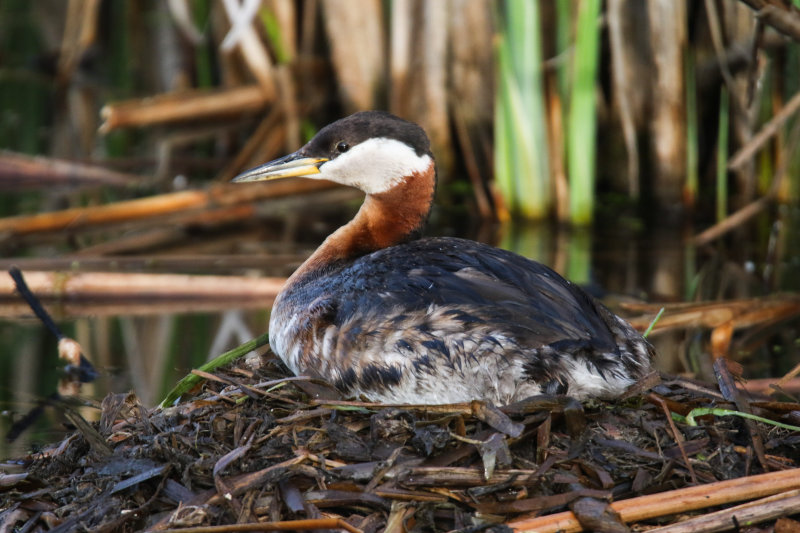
column 148, row 348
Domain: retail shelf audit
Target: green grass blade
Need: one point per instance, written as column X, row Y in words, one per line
column 722, row 156
column 503, row 153
column 692, row 149
column 522, row 148
column 521, row 155
column 190, row 380
column 123, row 82
column 275, row 34
column 204, row 52
column 653, row 323
column 563, row 44
column 582, row 119
column 702, row 411
column 534, row 188
column 580, row 256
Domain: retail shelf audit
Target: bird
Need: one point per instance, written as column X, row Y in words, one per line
column 384, row 314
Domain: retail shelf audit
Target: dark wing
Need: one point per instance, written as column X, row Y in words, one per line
column 525, row 300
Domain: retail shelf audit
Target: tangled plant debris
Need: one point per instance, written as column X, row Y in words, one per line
column 257, row 449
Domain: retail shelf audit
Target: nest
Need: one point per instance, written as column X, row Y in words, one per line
column 255, row 449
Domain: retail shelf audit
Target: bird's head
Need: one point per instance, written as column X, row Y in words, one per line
column 370, row 150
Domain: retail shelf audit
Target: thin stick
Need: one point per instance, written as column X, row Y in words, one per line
column 164, row 262
column 785, row 21
column 163, row 204
column 676, row 435
column 269, row 129
column 715, row 30
column 748, row 513
column 105, row 286
column 288, row 525
column 675, row 501
column 766, row 132
column 34, row 303
column 755, row 207
column 732, row 221
column 471, row 164
column 70, row 309
column 790, row 375
column 741, row 313
column 184, row 105
column 80, row 368
column 769, row 385
column 21, row 171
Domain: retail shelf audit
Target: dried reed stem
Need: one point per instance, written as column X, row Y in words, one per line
column 675, row 501
column 164, row 204
column 184, row 105
column 105, row 286
column 23, row 171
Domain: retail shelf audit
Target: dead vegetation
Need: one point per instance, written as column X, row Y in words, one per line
column 254, row 449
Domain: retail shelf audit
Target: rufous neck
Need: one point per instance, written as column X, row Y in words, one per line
column 385, row 219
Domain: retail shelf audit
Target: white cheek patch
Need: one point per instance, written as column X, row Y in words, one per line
column 375, row 165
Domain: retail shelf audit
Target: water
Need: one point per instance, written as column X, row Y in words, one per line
column 147, row 350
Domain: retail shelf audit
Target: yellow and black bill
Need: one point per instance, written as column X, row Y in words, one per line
column 290, row 166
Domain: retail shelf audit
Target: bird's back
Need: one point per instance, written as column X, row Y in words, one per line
column 445, row 320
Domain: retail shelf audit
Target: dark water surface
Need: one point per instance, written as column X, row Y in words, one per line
column 147, row 349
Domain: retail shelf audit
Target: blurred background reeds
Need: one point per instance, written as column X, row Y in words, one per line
column 535, row 109
column 663, row 133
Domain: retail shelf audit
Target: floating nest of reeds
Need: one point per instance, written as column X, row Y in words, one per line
column 253, row 449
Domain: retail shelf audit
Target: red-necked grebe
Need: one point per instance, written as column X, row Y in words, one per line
column 379, row 312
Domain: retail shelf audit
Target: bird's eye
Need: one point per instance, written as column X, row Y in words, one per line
column 342, row 147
